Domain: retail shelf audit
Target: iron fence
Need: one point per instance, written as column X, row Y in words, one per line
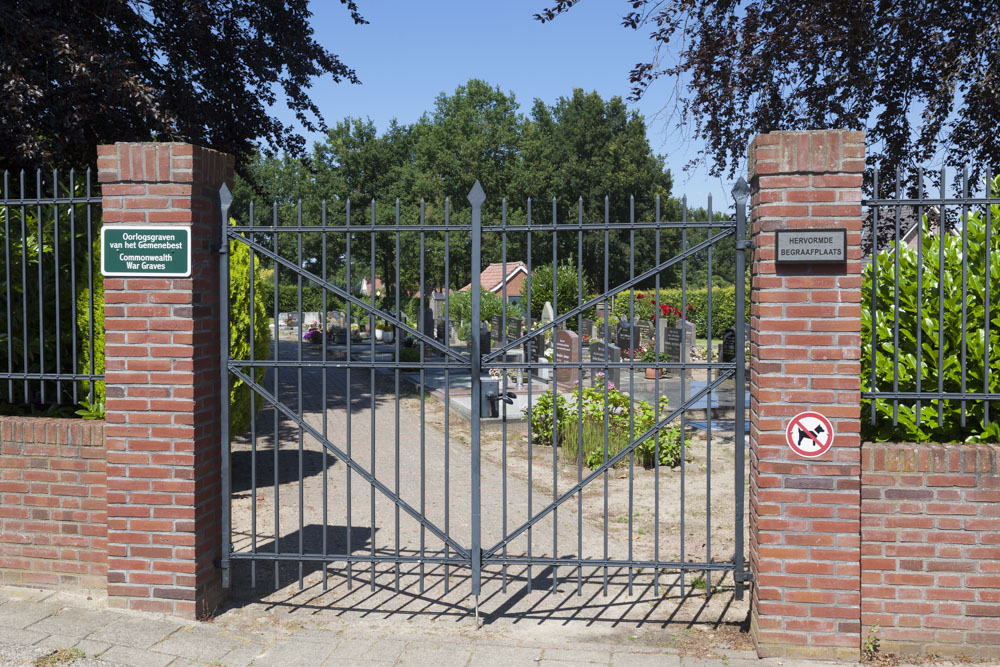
column 388, row 492
column 931, row 324
column 51, row 341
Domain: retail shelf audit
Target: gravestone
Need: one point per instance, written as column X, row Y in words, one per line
column 532, row 350
column 587, row 327
column 484, row 340
column 672, row 345
column 600, row 353
column 496, row 327
column 428, row 328
column 646, row 332
column 440, row 333
column 310, row 319
column 727, row 351
column 567, row 350
column 627, row 336
column 600, row 310
column 514, row 328
column 336, row 318
column 548, row 314
column 604, row 331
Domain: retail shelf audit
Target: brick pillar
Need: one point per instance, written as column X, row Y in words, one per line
column 805, row 356
column 162, row 373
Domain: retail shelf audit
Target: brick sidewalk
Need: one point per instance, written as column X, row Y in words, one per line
column 35, row 623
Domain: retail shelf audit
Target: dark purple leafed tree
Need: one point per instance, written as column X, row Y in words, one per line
column 922, row 78
column 76, row 74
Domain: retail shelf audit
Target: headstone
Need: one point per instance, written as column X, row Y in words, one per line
column 428, row 323
column 604, row 331
column 336, row 318
column 671, row 345
column 496, row 327
column 484, row 341
column 514, row 328
column 600, row 310
column 311, row 318
column 587, row 327
column 548, row 314
column 601, row 352
column 533, row 349
column 646, row 332
column 728, row 352
column 440, row 333
column 627, row 336
column 567, row 350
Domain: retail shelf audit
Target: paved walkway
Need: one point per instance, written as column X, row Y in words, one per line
column 83, row 631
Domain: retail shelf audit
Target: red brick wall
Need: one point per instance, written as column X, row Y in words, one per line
column 53, row 514
column 163, row 385
column 805, row 356
column 930, row 544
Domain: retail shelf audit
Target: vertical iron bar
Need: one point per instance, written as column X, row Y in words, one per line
column 986, row 299
column 325, row 343
column 447, row 394
column 607, row 332
column 657, row 314
column 533, row 345
column 24, row 293
column 41, row 284
column 476, row 198
column 874, row 283
column 708, row 400
column 90, row 292
column 423, row 457
column 965, row 278
column 395, row 340
column 55, row 277
column 631, row 384
column 920, row 292
column 503, row 404
column 275, row 378
column 579, row 395
column 253, row 416
column 941, row 235
column 348, row 287
column 72, row 281
column 10, row 329
column 895, row 304
column 371, row 387
column 225, row 200
column 555, row 399
column 740, row 393
column 298, row 373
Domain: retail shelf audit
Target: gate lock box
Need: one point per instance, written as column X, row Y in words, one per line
column 489, row 401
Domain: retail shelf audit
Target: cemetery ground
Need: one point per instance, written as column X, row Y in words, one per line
column 565, row 604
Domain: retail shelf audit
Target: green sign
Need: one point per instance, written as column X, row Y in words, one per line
column 146, row 251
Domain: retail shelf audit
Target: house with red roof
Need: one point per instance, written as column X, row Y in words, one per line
column 498, row 275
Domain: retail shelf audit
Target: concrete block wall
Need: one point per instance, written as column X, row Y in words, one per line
column 53, row 512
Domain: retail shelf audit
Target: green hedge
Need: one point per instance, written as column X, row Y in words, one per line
column 723, row 307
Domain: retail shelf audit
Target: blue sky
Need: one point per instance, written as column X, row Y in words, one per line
column 410, row 52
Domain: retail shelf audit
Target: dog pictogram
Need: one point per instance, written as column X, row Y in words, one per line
column 809, row 434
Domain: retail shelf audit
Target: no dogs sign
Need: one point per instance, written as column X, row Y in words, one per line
column 809, row 434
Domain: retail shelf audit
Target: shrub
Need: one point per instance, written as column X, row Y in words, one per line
column 567, row 292
column 585, row 411
column 723, row 307
column 239, row 330
column 928, row 426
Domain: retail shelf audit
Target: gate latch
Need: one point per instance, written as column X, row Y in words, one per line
column 491, row 398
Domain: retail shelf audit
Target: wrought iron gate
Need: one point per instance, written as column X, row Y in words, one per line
column 571, row 348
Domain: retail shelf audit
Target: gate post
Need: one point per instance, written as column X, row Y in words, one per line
column 805, row 353
column 163, row 387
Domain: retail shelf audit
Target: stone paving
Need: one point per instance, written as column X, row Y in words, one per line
column 35, row 624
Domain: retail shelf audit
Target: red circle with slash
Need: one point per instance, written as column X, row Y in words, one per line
column 809, row 434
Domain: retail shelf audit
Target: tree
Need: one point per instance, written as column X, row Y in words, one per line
column 77, row 74
column 919, row 79
column 581, row 150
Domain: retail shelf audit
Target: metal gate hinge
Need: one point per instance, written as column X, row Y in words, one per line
column 221, row 248
column 744, row 245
